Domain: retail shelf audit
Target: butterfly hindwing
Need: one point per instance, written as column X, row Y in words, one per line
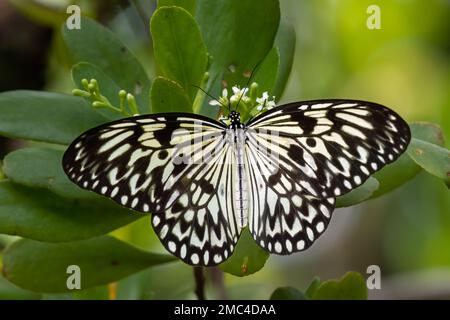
column 283, row 216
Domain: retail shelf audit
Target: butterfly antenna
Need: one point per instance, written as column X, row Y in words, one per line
column 209, row 95
column 248, row 82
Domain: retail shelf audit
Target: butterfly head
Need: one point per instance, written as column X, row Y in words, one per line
column 235, row 119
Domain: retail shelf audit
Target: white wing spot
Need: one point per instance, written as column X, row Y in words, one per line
column 325, row 210
column 288, row 245
column 183, row 251
column 310, row 234
column 347, row 184
column 364, row 170
column 217, row 258
column 320, row 227
column 194, row 258
column 156, row 221
column 337, row 191
column 172, row 246
column 353, row 131
column 115, row 191
column 113, row 142
column 164, row 231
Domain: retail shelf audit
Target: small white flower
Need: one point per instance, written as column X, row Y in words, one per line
column 239, row 94
column 238, row 91
column 222, row 101
column 264, row 103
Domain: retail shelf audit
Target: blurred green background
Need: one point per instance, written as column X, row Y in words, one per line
column 404, row 65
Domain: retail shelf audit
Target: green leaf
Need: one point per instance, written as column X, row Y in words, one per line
column 287, row 293
column 267, row 72
column 9, row 291
column 247, row 257
column 97, row 45
column 427, row 131
column 41, row 167
column 285, row 42
column 238, row 34
column 358, row 195
column 312, row 288
column 432, row 158
column 352, row 286
column 42, row 267
column 395, row 174
column 108, row 87
column 42, row 215
column 45, row 116
column 188, row 5
column 265, row 76
column 168, row 96
column 179, row 48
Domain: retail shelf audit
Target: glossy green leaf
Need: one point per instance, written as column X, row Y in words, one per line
column 432, row 158
column 45, row 116
column 285, row 42
column 97, row 45
column 9, row 291
column 265, row 76
column 41, row 167
column 108, row 87
column 188, row 5
column 358, row 195
column 42, row 267
column 42, row 215
column 287, row 293
column 352, row 286
column 173, row 281
column 267, row 72
column 312, row 288
column 427, row 131
column 179, row 48
column 168, row 96
column 238, row 35
column 247, row 257
column 395, row 174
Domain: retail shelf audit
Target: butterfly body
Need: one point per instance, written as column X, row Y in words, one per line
column 204, row 181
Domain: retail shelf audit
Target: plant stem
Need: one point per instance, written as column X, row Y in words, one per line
column 199, row 283
column 218, row 283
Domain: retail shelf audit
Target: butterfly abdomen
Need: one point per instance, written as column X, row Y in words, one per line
column 241, row 190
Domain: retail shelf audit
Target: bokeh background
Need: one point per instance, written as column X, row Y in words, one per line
column 404, row 65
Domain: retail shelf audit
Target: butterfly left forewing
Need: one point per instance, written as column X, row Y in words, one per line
column 150, row 164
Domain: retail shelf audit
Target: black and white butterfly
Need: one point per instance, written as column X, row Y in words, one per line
column 204, row 181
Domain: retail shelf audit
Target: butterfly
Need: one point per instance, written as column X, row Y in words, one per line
column 204, row 181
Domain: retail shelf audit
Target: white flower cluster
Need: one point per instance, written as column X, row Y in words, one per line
column 263, row 102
